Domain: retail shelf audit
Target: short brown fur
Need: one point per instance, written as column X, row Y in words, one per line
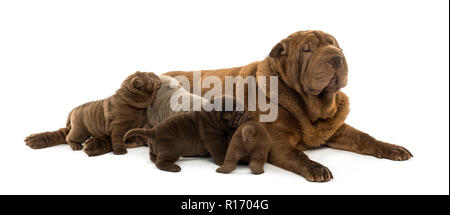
column 250, row 143
column 194, row 133
column 111, row 117
column 312, row 69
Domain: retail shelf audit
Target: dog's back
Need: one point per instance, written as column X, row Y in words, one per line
column 166, row 103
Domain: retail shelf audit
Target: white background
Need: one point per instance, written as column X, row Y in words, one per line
column 55, row 55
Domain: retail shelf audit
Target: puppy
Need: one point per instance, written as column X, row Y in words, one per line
column 194, row 133
column 114, row 116
column 163, row 107
column 249, row 143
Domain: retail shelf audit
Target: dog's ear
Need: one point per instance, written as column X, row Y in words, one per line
column 279, row 50
column 137, row 83
column 248, row 132
column 155, row 80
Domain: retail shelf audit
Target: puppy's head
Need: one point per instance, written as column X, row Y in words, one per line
column 230, row 118
column 141, row 86
column 311, row 62
column 169, row 83
column 233, row 119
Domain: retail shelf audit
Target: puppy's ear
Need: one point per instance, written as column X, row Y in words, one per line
column 138, row 83
column 247, row 133
column 279, row 50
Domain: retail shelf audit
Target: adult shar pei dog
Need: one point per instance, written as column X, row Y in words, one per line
column 312, row 69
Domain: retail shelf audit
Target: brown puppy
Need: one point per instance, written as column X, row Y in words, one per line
column 113, row 117
column 311, row 70
column 251, row 143
column 195, row 133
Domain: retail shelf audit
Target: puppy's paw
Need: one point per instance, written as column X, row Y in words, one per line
column 218, row 161
column 257, row 171
column 227, row 167
column 96, row 146
column 35, row 141
column 316, row 172
column 393, row 152
column 76, row 146
column 170, row 167
column 224, row 169
column 256, row 168
column 120, row 151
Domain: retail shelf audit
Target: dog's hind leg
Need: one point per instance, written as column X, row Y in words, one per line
column 76, row 137
column 47, row 139
column 166, row 157
column 258, row 159
column 232, row 157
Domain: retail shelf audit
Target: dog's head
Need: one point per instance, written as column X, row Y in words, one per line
column 311, row 62
column 168, row 84
column 141, row 87
column 230, row 118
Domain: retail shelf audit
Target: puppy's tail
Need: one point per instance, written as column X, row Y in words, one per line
column 248, row 133
column 144, row 133
column 47, row 139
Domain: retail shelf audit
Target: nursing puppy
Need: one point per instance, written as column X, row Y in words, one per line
column 166, row 104
column 250, row 142
column 162, row 108
column 113, row 116
column 196, row 133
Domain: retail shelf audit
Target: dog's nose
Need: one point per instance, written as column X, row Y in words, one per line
column 336, row 61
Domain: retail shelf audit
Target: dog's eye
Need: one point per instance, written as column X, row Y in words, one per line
column 330, row 41
column 306, row 48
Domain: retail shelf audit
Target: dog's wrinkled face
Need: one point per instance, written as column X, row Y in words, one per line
column 311, row 62
column 142, row 84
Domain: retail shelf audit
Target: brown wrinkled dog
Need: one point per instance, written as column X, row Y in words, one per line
column 311, row 70
column 250, row 143
column 195, row 133
column 114, row 116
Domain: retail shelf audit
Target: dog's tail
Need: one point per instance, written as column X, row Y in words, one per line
column 248, row 133
column 47, row 139
column 143, row 133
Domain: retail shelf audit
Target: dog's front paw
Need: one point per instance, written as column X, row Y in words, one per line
column 76, row 146
column 316, row 172
column 227, row 167
column 169, row 167
column 393, row 152
column 95, row 146
column 224, row 169
column 120, row 151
